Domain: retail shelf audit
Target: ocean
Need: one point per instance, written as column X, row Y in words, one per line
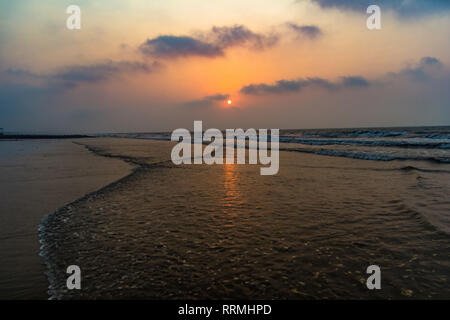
column 343, row 199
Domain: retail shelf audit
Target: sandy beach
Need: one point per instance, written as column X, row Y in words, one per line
column 38, row 177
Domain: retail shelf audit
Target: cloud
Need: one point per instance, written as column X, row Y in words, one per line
column 426, row 69
column 211, row 44
column 281, row 86
column 207, row 101
column 21, row 73
column 239, row 35
column 101, row 71
column 218, row 97
column 430, row 61
column 404, row 8
column 24, row 89
column 71, row 76
column 286, row 86
column 354, row 82
column 179, row 46
column 422, row 71
column 308, row 31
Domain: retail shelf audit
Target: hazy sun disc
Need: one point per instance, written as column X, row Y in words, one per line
column 229, row 101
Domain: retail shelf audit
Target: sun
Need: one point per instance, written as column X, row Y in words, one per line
column 229, row 101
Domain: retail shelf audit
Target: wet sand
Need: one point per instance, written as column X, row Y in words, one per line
column 37, row 177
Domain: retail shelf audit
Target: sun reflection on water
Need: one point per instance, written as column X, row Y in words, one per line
column 232, row 199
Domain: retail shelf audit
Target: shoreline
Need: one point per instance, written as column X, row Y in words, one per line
column 44, row 224
column 42, row 136
column 41, row 176
column 46, row 221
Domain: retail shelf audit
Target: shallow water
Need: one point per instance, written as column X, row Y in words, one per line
column 224, row 231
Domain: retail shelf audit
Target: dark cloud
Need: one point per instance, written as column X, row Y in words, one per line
column 422, row 71
column 21, row 73
column 425, row 69
column 24, row 88
column 286, row 86
column 402, row 7
column 210, row 44
column 239, row 35
column 430, row 61
column 218, row 97
column 280, row 86
column 175, row 46
column 72, row 76
column 309, row 31
column 322, row 83
column 354, row 82
column 101, row 71
column 207, row 101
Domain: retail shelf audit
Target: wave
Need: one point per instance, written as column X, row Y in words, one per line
column 51, row 222
column 412, row 168
column 368, row 155
column 356, row 134
column 404, row 143
column 404, row 132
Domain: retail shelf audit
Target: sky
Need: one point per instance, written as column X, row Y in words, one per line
column 142, row 66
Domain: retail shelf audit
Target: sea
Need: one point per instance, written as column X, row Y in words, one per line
column 343, row 200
